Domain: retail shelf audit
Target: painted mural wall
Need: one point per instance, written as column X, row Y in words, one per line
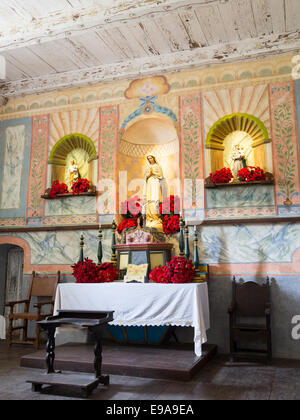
column 192, row 102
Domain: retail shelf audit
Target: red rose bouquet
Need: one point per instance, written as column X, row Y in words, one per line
column 126, row 224
column 251, row 173
column 80, row 186
column 171, row 224
column 170, row 220
column 170, row 205
column 161, row 274
column 58, row 188
column 89, row 272
column 131, row 207
column 178, row 270
column 85, row 272
column 107, row 272
column 223, row 176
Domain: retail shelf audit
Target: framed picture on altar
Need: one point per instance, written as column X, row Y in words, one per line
column 123, row 261
column 157, row 258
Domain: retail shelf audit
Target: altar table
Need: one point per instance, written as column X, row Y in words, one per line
column 134, row 304
column 2, row 328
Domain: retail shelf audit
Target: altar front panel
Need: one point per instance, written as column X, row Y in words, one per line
column 153, row 254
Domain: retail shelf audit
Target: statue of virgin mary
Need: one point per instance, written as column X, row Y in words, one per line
column 152, row 193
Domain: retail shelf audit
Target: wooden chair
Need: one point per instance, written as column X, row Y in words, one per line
column 250, row 318
column 39, row 287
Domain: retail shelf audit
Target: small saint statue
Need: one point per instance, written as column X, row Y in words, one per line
column 238, row 158
column 73, row 172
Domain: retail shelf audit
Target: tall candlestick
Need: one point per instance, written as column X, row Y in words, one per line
column 181, row 237
column 187, row 246
column 113, row 243
column 81, row 257
column 100, row 252
column 196, row 257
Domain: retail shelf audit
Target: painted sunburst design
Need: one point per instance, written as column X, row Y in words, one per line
column 62, row 149
column 237, row 123
column 252, row 100
column 84, row 121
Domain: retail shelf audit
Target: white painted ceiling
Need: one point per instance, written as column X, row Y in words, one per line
column 55, row 44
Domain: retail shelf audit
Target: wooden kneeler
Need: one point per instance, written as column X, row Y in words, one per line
column 94, row 321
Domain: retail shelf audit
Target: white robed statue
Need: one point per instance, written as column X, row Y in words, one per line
column 153, row 193
column 238, row 159
column 73, row 172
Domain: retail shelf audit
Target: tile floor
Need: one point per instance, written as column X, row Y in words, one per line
column 218, row 380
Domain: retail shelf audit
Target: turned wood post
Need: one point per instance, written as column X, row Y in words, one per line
column 113, row 243
column 187, row 246
column 196, row 256
column 100, row 251
column 98, row 351
column 50, row 347
column 181, row 237
column 81, row 257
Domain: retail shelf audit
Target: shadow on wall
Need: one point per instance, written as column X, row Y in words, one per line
column 285, row 298
column 220, row 292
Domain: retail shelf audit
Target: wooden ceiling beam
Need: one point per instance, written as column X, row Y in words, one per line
column 152, row 65
column 34, row 29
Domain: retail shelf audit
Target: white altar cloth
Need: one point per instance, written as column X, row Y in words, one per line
column 184, row 305
column 2, row 328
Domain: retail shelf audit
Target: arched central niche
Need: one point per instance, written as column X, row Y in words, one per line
column 245, row 130
column 149, row 135
column 75, row 147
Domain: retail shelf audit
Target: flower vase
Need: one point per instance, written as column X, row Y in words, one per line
column 287, row 202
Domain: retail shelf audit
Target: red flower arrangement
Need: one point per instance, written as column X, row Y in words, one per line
column 178, row 270
column 80, row 186
column 131, row 207
column 57, row 188
column 251, row 173
column 89, row 272
column 126, row 224
column 85, row 272
column 171, row 224
column 223, row 176
column 107, row 272
column 170, row 205
column 167, row 208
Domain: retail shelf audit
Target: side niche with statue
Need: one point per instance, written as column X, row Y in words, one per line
column 239, row 152
column 72, row 168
